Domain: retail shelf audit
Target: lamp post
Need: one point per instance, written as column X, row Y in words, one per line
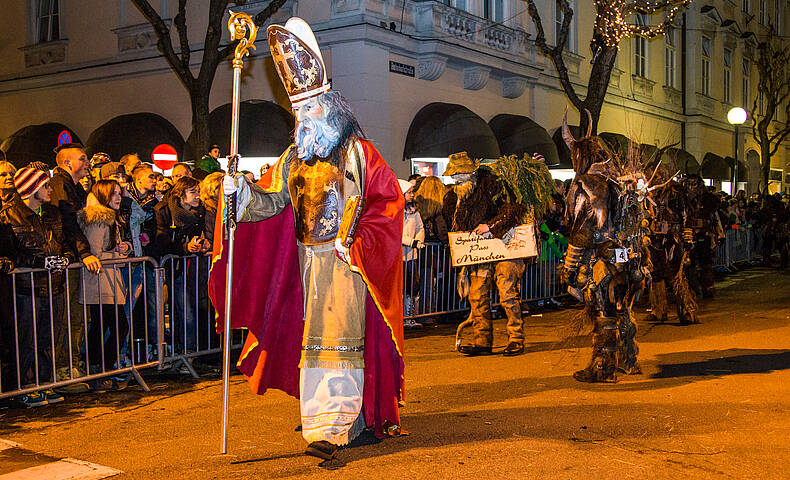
column 736, row 116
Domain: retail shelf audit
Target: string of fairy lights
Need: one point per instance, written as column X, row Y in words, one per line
column 612, row 26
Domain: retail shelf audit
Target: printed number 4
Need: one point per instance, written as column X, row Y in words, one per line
column 621, row 255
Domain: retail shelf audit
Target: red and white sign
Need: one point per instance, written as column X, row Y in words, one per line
column 164, row 156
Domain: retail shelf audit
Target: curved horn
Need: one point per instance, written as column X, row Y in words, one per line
column 589, row 122
column 566, row 132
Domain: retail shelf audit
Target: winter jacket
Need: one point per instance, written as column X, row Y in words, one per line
column 96, row 221
column 412, row 232
column 175, row 226
column 208, row 164
column 138, row 213
column 35, row 237
column 70, row 198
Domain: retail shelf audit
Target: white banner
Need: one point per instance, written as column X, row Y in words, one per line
column 467, row 248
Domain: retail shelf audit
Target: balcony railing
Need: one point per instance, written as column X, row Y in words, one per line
column 433, row 19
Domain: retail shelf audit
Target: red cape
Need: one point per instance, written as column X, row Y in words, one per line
column 267, row 294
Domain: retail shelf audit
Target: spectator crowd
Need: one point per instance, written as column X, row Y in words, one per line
column 66, row 323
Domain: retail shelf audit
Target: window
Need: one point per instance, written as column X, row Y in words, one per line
column 571, row 45
column 727, row 75
column 763, row 13
column 494, row 10
column 48, row 20
column 745, row 90
column 669, row 57
column 640, row 49
column 747, row 6
column 706, row 53
column 459, row 4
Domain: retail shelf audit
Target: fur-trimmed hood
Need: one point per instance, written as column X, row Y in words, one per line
column 96, row 215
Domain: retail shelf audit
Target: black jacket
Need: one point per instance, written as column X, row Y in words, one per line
column 35, row 238
column 175, row 226
column 70, row 198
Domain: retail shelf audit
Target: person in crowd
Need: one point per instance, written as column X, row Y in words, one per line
column 428, row 198
column 7, row 350
column 138, row 213
column 209, row 195
column 163, row 185
column 113, row 171
column 208, row 163
column 250, row 176
column 7, row 171
column 413, row 238
column 39, row 166
column 87, row 182
column 414, row 177
column 104, row 294
column 180, row 170
column 130, row 161
column 706, row 226
column 69, row 197
column 180, row 231
column 38, row 242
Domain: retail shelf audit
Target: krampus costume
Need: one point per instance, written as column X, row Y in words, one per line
column 703, row 234
column 606, row 263
column 669, row 248
column 497, row 197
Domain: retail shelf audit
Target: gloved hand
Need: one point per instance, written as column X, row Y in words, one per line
column 241, row 188
column 56, row 263
column 341, row 251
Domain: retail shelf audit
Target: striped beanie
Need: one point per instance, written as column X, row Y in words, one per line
column 29, row 180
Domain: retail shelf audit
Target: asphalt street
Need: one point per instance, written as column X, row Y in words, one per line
column 713, row 402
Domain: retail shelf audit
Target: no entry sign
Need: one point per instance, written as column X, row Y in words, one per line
column 164, row 156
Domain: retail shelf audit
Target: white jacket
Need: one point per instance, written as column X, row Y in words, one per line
column 412, row 230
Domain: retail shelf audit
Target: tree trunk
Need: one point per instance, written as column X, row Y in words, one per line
column 597, row 86
column 765, row 159
column 200, row 139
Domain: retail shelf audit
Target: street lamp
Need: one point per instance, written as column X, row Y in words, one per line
column 736, row 116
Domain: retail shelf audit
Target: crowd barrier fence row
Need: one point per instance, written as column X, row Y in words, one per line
column 77, row 327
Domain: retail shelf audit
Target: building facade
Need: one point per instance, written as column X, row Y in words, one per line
column 425, row 77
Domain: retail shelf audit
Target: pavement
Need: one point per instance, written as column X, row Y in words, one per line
column 713, row 402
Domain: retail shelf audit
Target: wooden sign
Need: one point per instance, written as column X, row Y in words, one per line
column 467, row 248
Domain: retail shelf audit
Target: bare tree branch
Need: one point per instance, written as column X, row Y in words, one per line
column 555, row 52
column 181, row 27
column 164, row 42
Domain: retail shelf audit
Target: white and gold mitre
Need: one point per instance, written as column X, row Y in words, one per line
column 298, row 60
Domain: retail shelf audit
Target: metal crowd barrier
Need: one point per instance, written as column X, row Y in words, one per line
column 741, row 245
column 189, row 319
column 429, row 284
column 63, row 329
column 164, row 315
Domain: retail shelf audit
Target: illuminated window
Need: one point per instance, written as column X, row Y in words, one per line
column 669, row 57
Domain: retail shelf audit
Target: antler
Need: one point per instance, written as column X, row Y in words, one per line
column 566, row 132
column 589, row 122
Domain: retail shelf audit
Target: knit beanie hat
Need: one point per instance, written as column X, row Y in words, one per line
column 29, row 180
